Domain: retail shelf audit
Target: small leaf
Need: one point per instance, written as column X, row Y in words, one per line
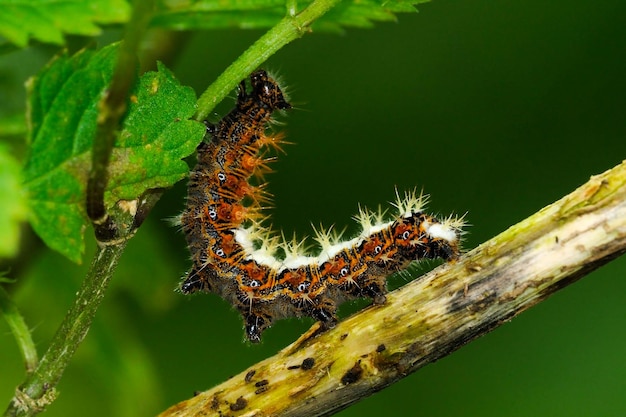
column 49, row 20
column 63, row 111
column 13, row 209
column 156, row 136
column 246, row 14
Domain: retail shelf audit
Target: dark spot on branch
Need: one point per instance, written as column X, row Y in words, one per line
column 292, row 367
column 353, row 374
column 215, row 402
column 308, row 364
column 381, row 348
column 238, row 405
column 249, row 376
column 343, row 336
column 262, row 390
column 262, row 383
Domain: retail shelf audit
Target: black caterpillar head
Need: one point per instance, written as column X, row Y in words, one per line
column 267, row 91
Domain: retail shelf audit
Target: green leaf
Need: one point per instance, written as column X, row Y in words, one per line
column 247, row 14
column 62, row 112
column 13, row 209
column 49, row 20
column 156, row 136
column 63, row 104
column 363, row 14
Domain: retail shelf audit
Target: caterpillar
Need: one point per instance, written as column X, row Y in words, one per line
column 236, row 256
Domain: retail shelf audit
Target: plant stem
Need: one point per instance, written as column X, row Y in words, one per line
column 111, row 111
column 20, row 331
column 113, row 227
column 433, row 316
column 288, row 29
column 38, row 389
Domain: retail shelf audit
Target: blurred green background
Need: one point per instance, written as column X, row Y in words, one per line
column 495, row 108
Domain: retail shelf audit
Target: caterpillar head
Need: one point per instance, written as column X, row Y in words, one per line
column 267, row 91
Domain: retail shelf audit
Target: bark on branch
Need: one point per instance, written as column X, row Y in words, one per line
column 431, row 317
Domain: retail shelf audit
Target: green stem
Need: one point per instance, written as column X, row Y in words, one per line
column 288, row 29
column 38, row 389
column 112, row 109
column 20, row 331
column 112, row 229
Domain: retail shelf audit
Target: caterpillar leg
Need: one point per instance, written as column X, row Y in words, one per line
column 255, row 324
column 375, row 289
column 324, row 311
column 195, row 281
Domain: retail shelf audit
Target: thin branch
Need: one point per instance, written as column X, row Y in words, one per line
column 20, row 331
column 433, row 316
column 112, row 230
column 112, row 109
column 38, row 390
column 290, row 28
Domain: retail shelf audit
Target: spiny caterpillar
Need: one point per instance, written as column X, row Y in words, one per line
column 234, row 254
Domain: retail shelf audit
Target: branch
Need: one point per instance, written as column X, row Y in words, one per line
column 433, row 316
column 112, row 228
column 19, row 329
column 112, row 108
column 38, row 391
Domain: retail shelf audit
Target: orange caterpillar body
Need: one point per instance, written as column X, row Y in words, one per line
column 234, row 255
